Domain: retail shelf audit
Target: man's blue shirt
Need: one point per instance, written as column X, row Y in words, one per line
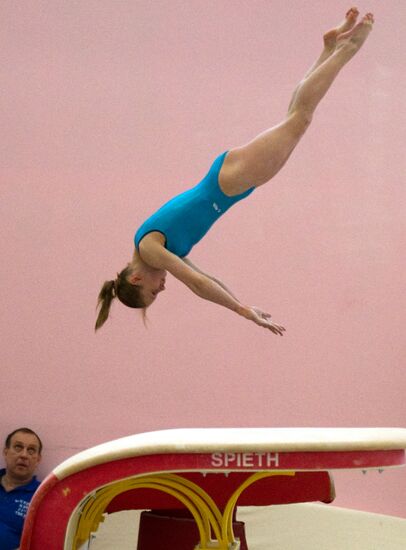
column 13, row 509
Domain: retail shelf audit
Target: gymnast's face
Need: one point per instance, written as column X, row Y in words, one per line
column 152, row 283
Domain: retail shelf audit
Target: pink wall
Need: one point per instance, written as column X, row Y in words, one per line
column 108, row 109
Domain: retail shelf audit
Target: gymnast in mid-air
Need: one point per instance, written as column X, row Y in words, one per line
column 164, row 240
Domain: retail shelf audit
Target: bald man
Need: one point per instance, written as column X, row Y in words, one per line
column 22, row 454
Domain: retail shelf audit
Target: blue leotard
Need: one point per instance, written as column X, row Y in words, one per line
column 185, row 219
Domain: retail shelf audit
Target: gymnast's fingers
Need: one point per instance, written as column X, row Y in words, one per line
column 277, row 329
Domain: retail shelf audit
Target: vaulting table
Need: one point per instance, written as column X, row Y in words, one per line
column 204, row 471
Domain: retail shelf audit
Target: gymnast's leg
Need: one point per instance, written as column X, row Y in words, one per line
column 330, row 43
column 261, row 159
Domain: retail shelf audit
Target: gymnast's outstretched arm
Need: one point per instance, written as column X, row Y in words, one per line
column 223, row 286
column 203, row 285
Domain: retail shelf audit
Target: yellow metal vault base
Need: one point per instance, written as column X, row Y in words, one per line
column 213, row 544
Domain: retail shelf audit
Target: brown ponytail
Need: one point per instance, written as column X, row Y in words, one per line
column 106, row 296
column 128, row 294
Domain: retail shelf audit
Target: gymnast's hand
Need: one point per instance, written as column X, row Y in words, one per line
column 262, row 319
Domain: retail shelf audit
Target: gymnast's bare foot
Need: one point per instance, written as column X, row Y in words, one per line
column 330, row 37
column 354, row 38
